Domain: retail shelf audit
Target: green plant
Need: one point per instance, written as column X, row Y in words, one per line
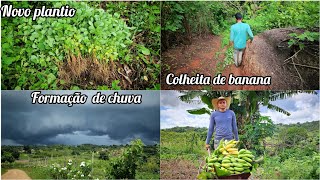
column 70, row 171
column 33, row 52
column 7, row 157
column 125, row 166
column 302, row 39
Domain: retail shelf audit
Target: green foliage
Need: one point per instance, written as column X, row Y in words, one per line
column 33, row 50
column 125, row 166
column 70, row 171
column 41, row 44
column 27, row 149
column 199, row 111
column 37, row 165
column 15, row 153
column 188, row 143
column 103, row 155
column 255, row 133
column 200, row 17
column 226, row 61
column 299, row 40
column 144, row 18
column 293, row 135
column 278, row 14
column 7, row 157
column 306, row 167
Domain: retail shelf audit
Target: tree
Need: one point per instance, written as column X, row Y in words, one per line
column 15, row 154
column 27, row 149
column 293, row 135
column 124, row 167
column 7, row 157
column 75, row 152
column 245, row 105
column 103, row 155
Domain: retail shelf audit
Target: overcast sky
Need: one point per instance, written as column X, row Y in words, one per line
column 303, row 107
column 104, row 124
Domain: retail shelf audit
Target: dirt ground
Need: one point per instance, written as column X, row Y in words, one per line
column 178, row 169
column 263, row 58
column 15, row 174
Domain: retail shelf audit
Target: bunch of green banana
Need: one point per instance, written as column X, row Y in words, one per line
column 235, row 165
column 227, row 160
column 246, row 155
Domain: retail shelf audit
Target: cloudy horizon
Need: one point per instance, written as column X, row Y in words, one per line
column 23, row 123
column 303, row 107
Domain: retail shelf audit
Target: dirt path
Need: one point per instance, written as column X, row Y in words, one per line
column 15, row 174
column 263, row 60
column 201, row 57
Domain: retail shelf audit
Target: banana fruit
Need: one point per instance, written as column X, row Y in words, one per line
column 227, row 160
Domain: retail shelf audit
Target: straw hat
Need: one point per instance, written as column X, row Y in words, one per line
column 215, row 102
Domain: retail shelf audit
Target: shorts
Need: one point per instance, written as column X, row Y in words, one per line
column 237, row 56
column 216, row 143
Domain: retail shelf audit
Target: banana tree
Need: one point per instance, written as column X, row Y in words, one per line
column 244, row 103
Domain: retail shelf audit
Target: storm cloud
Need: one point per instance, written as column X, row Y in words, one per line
column 26, row 123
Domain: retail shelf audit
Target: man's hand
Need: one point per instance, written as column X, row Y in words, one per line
column 207, row 146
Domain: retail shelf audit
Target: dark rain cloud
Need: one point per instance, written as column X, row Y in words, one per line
column 26, row 123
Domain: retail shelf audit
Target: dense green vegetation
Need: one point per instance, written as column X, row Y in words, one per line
column 119, row 41
column 277, row 143
column 183, row 20
column 85, row 162
column 291, row 152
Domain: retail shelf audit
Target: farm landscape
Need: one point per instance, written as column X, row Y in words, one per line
column 86, row 141
column 279, row 135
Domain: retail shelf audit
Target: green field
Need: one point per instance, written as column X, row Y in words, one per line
column 291, row 152
column 38, row 161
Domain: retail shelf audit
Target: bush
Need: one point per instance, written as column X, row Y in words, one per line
column 124, row 167
column 70, row 171
column 7, row 157
column 103, row 155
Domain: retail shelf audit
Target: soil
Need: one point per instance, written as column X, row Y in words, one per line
column 178, row 169
column 15, row 174
column 264, row 57
column 88, row 73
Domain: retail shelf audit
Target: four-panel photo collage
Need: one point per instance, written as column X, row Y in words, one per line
column 160, row 90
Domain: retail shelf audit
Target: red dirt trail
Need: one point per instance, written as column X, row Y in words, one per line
column 200, row 57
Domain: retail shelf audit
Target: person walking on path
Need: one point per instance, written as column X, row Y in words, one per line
column 222, row 121
column 238, row 38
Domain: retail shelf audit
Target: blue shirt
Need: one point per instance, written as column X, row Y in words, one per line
column 238, row 34
column 224, row 124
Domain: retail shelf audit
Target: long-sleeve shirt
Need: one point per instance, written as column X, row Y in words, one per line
column 239, row 33
column 224, row 124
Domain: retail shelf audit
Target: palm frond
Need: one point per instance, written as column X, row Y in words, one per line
column 207, row 100
column 285, row 94
column 199, row 111
column 278, row 109
column 189, row 96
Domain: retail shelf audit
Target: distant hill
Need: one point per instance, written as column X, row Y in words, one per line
column 310, row 126
column 186, row 129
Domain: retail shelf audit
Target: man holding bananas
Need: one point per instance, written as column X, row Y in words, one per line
column 222, row 121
